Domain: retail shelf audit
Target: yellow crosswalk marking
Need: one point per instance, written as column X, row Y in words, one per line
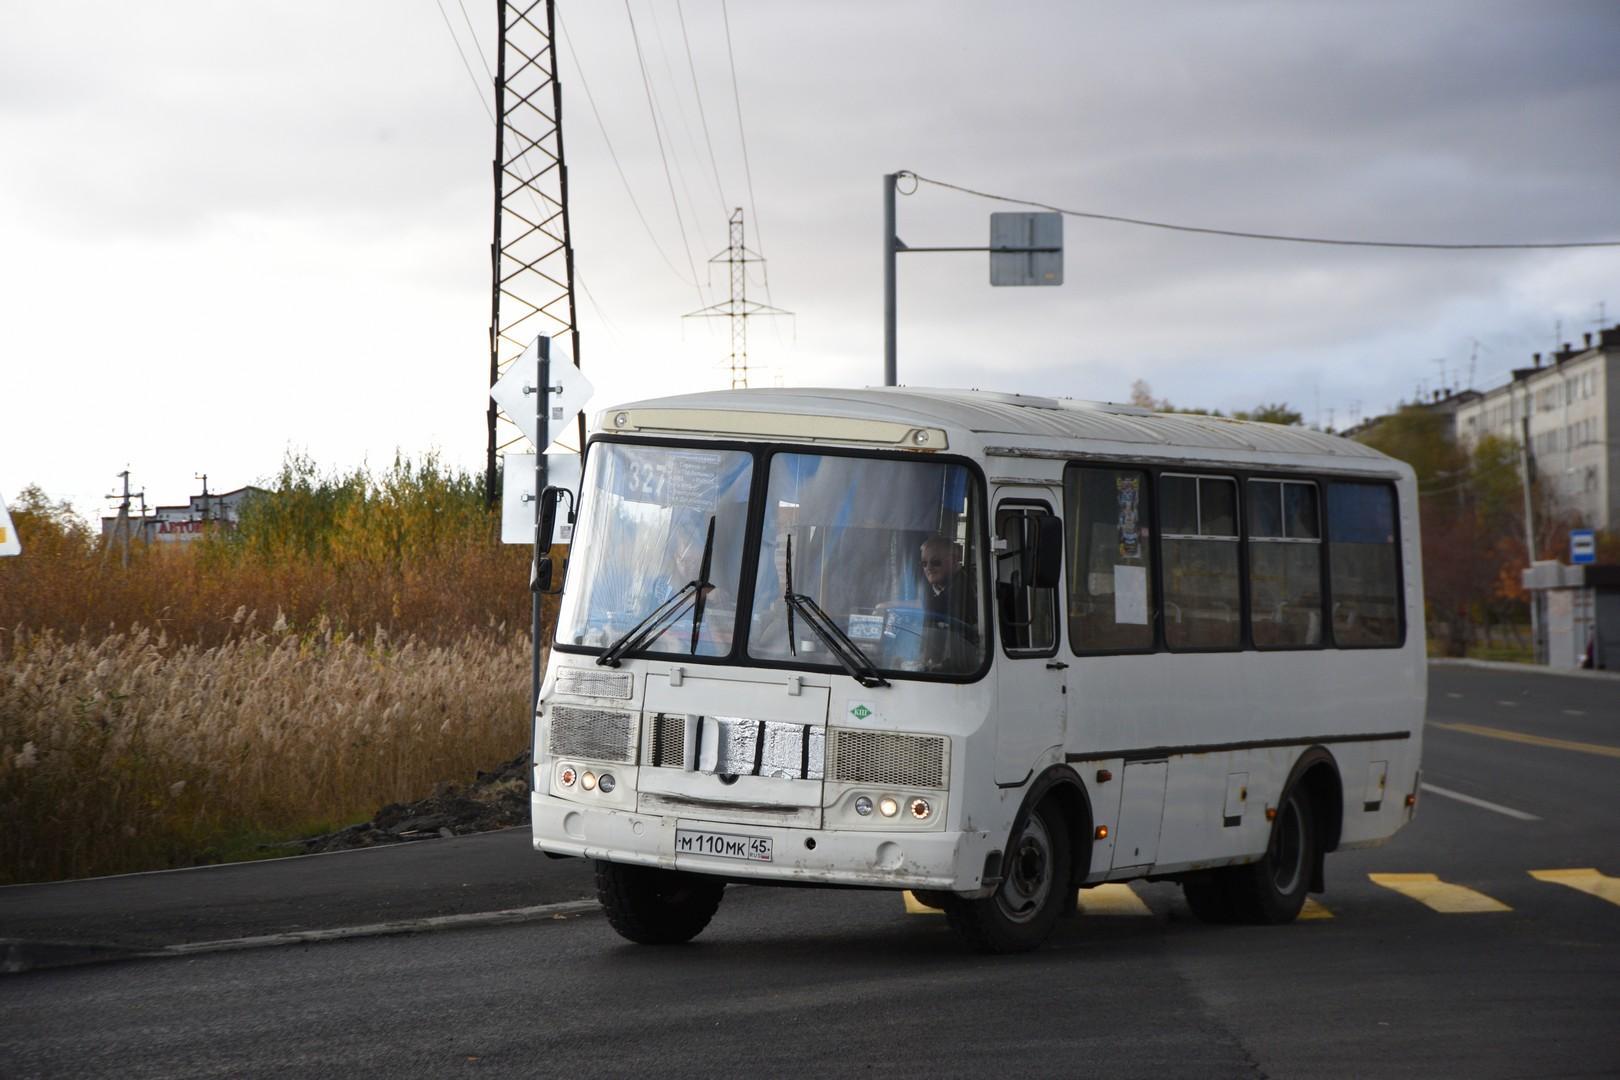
column 1600, row 749
column 917, row 907
column 1314, row 910
column 1115, row 899
column 1587, row 880
column 1440, row 895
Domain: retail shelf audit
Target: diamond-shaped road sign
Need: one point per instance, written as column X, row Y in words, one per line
column 9, row 544
column 570, row 390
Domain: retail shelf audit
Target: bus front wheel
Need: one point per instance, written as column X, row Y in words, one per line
column 651, row 906
column 1034, row 888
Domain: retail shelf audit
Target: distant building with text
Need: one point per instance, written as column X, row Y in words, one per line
column 184, row 523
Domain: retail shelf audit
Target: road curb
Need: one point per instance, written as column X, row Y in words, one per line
column 1524, row 669
column 20, row 956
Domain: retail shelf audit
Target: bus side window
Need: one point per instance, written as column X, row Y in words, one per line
column 1365, row 564
column 1285, row 565
column 1199, row 540
column 1026, row 611
column 1110, row 560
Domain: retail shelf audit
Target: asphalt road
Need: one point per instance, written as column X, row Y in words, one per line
column 789, row 982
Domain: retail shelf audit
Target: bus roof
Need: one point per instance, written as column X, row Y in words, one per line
column 994, row 417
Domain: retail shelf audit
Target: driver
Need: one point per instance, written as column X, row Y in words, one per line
column 947, row 594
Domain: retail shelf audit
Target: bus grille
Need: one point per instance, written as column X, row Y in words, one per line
column 668, row 749
column 602, row 684
column 887, row 757
column 597, row 734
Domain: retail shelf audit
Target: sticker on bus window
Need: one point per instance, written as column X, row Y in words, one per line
column 1130, row 595
column 1128, row 489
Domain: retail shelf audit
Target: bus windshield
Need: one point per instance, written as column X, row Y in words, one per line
column 887, row 548
column 643, row 528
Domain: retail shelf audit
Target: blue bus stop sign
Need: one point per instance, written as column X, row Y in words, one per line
column 1582, row 546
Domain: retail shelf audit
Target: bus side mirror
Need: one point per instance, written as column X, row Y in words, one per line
column 545, row 528
column 548, row 517
column 1042, row 553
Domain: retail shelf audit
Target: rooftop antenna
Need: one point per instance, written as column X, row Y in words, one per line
column 1602, row 319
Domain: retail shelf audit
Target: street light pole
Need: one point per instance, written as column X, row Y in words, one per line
column 890, row 246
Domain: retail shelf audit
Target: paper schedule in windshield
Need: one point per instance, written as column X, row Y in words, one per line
column 1130, row 594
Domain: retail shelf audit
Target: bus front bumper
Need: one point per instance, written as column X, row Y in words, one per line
column 947, row 861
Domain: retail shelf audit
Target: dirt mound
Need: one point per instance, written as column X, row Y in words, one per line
column 494, row 800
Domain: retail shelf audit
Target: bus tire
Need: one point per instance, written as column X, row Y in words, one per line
column 651, row 906
column 1034, row 889
column 1272, row 890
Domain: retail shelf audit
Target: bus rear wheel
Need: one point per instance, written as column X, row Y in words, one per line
column 1034, row 889
column 656, row 907
column 1272, row 890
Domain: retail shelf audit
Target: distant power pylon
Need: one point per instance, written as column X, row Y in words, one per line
column 532, row 256
column 738, row 308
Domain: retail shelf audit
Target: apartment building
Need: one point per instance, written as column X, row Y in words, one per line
column 1572, row 404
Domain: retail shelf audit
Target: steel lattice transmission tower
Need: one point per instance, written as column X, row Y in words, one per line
column 532, row 256
column 739, row 307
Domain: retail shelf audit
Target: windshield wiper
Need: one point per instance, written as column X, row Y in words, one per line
column 849, row 654
column 674, row 607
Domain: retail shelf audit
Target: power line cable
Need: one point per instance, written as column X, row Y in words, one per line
column 1254, row 235
column 702, row 115
column 652, row 110
column 742, row 136
column 625, row 180
column 686, row 128
column 478, row 87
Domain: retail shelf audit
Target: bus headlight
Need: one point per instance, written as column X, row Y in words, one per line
column 605, row 783
column 587, row 780
column 888, row 806
column 920, row 809
column 863, row 805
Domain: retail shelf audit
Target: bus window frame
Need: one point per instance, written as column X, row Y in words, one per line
column 1153, row 471
column 763, row 454
column 1059, row 591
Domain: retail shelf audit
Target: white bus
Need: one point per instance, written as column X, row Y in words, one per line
column 990, row 648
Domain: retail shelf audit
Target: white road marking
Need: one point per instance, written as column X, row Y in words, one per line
column 1574, row 712
column 1508, row 704
column 404, row 926
column 1447, row 793
column 1453, row 693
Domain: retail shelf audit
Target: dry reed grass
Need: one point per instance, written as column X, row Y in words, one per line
column 127, row 753
column 146, row 718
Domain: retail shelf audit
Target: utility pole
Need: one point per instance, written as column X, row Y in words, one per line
column 1526, row 472
column 532, row 253
column 1037, row 235
column 738, row 308
column 121, row 523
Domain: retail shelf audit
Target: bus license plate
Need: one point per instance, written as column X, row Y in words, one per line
column 723, row 845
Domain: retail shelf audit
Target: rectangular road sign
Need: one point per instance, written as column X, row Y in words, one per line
column 1022, row 230
column 517, row 496
column 1582, row 546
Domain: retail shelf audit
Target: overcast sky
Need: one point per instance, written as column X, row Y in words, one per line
column 233, row 230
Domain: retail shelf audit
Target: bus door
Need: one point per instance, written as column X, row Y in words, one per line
column 1031, row 684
